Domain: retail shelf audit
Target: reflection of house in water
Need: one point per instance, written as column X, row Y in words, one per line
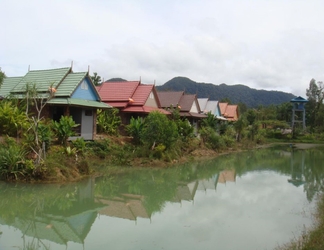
column 62, row 225
column 297, row 163
column 127, row 206
column 227, row 175
column 185, row 191
column 210, row 183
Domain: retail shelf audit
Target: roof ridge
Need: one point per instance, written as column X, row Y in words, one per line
column 49, row 69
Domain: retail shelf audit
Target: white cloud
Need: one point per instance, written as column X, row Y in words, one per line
column 273, row 45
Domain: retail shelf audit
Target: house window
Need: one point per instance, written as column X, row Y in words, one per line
column 88, row 112
column 151, row 96
column 84, row 85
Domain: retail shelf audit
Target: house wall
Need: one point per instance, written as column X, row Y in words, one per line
column 194, row 108
column 85, row 91
column 151, row 101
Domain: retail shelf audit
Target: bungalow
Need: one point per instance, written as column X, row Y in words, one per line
column 64, row 93
column 230, row 112
column 210, row 106
column 132, row 98
column 188, row 105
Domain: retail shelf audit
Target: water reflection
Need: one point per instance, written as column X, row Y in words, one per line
column 262, row 191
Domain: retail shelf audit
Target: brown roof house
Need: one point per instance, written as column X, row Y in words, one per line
column 64, row 92
column 187, row 103
column 230, row 112
column 132, row 98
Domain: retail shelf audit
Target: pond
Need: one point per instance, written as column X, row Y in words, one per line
column 257, row 199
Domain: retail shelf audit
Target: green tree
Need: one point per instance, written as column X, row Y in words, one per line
column 158, row 129
column 2, row 76
column 314, row 105
column 96, row 79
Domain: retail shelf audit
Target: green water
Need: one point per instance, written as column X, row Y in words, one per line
column 251, row 200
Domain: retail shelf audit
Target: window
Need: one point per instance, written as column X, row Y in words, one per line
column 84, row 84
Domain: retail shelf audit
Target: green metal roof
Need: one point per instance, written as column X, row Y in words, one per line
column 8, row 84
column 43, row 79
column 79, row 102
column 70, row 83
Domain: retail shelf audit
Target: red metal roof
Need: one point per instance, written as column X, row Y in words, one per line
column 144, row 109
column 168, row 98
column 141, row 94
column 117, row 91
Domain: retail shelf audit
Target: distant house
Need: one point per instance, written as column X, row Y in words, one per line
column 207, row 106
column 187, row 104
column 65, row 93
column 230, row 112
column 132, row 98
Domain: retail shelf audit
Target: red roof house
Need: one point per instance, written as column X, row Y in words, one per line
column 132, row 98
column 230, row 112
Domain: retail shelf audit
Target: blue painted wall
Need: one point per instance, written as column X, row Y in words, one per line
column 85, row 91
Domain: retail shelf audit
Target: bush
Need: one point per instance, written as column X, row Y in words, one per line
column 135, row 129
column 64, row 129
column 108, row 121
column 158, row 129
column 12, row 119
column 12, row 159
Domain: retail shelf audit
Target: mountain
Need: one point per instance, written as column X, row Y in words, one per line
column 235, row 93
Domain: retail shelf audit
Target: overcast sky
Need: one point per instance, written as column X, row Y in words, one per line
column 263, row 44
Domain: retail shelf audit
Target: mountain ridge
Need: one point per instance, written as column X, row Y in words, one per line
column 238, row 93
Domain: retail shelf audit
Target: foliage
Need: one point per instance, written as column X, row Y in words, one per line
column 13, row 120
column 209, row 121
column 211, row 139
column 135, row 128
column 158, row 129
column 64, row 129
column 96, row 79
column 2, row 76
column 80, row 145
column 12, row 159
column 108, row 121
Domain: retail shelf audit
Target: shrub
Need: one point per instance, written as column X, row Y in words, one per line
column 108, row 121
column 12, row 119
column 64, row 129
column 158, row 129
column 135, row 129
column 12, row 159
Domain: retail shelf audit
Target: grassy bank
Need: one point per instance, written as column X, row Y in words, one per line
column 313, row 238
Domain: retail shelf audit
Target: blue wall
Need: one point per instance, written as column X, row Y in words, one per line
column 85, row 91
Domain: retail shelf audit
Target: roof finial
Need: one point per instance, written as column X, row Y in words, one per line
column 140, row 79
column 71, row 64
column 28, row 67
column 154, row 82
column 88, row 69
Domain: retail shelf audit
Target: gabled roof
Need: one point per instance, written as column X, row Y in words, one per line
column 186, row 102
column 8, row 84
column 69, row 84
column 141, row 94
column 230, row 112
column 211, row 107
column 202, row 103
column 117, row 91
column 168, row 98
column 222, row 107
column 43, row 79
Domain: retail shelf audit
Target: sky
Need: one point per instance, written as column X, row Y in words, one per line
column 264, row 44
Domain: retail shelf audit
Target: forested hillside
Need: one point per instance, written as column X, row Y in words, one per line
column 236, row 93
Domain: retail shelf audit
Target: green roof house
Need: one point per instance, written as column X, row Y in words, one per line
column 65, row 93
